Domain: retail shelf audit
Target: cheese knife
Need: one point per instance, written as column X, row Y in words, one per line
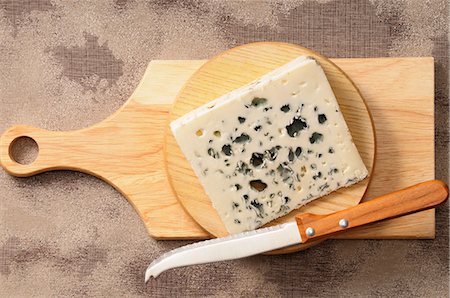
column 306, row 227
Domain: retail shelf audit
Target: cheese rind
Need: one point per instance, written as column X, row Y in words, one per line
column 271, row 146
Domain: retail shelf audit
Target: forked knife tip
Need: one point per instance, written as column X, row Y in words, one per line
column 148, row 275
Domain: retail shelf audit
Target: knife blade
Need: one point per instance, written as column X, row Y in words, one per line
column 307, row 226
column 227, row 248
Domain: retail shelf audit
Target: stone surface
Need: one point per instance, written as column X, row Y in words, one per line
column 69, row 65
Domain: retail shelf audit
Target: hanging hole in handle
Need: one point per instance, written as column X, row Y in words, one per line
column 23, row 150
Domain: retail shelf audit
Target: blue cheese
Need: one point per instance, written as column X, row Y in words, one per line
column 271, row 146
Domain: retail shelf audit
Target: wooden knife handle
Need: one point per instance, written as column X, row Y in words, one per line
column 418, row 197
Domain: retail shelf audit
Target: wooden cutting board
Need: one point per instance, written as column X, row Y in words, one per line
column 240, row 66
column 126, row 149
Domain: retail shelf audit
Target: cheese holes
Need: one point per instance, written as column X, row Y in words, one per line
column 243, row 138
column 257, row 159
column 286, row 108
column 199, row 132
column 297, row 125
column 322, row 118
column 213, row 153
column 226, row 149
column 316, row 138
column 258, row 102
column 258, row 185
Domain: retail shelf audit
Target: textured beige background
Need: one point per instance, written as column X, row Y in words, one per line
column 66, row 65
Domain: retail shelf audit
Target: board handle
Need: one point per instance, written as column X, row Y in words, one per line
column 415, row 198
column 56, row 150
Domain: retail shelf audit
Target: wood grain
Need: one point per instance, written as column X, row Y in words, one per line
column 414, row 198
column 125, row 150
column 398, row 91
column 235, row 68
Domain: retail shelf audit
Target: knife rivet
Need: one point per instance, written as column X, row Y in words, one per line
column 343, row 223
column 310, row 232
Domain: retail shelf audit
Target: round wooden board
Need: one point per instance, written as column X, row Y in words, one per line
column 237, row 67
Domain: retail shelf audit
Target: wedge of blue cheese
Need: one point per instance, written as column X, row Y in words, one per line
column 271, row 146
